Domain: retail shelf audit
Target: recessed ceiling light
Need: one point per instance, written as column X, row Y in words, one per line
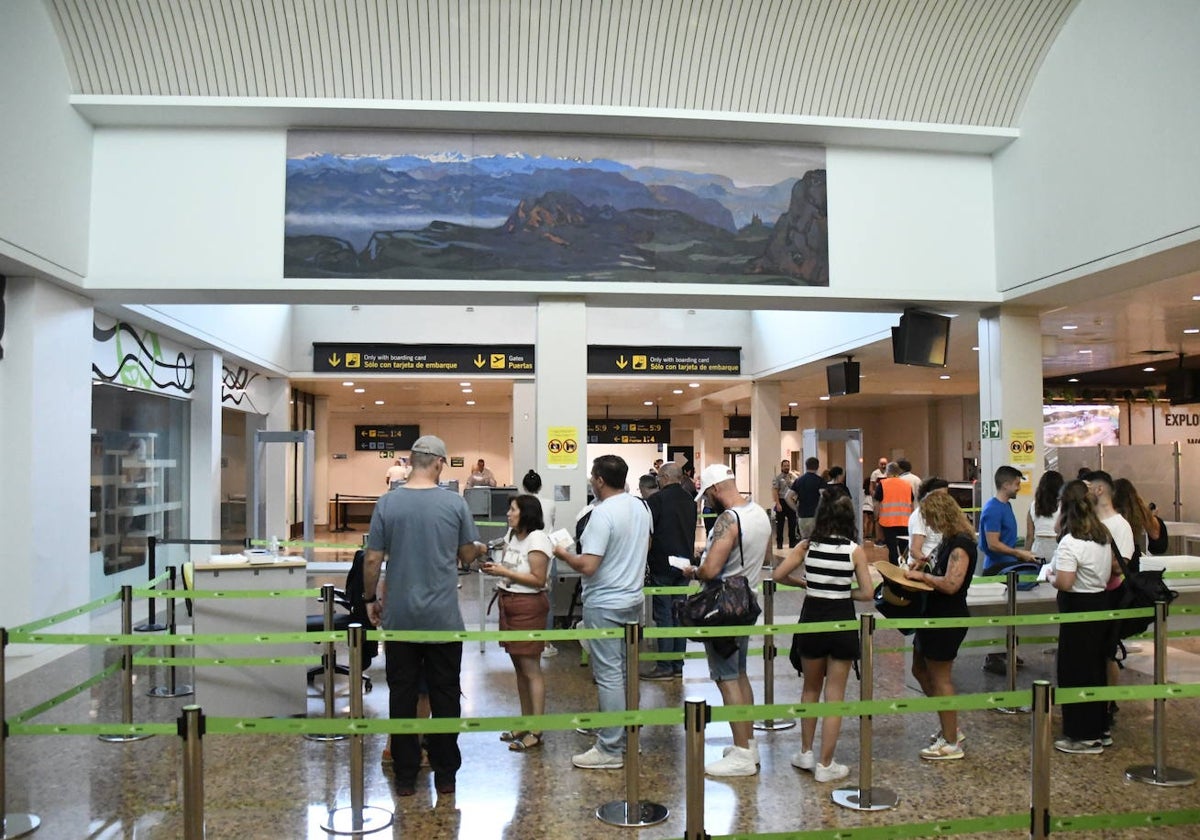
column 1072, row 379
column 468, row 390
column 793, row 405
column 693, row 384
column 464, row 384
column 1148, row 370
column 677, row 391
column 378, row 402
column 648, row 402
column 1070, row 326
column 1195, row 297
column 1191, row 331
column 944, row 376
column 348, row 384
column 470, row 402
column 360, row 390
column 1085, row 351
column 976, row 349
column 823, row 398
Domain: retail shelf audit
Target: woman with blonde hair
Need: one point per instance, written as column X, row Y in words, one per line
column 934, row 650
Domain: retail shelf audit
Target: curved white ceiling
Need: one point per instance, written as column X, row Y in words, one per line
column 959, row 62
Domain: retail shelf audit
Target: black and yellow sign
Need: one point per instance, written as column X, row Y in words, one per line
column 360, row 359
column 385, row 438
column 629, row 431
column 660, row 361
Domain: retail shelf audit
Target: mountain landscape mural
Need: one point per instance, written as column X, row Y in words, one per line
column 661, row 215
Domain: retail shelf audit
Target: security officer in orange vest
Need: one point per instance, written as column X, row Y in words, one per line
column 893, row 507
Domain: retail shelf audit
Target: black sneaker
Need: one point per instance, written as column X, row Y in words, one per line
column 659, row 673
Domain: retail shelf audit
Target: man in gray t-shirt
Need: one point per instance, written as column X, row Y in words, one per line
column 425, row 531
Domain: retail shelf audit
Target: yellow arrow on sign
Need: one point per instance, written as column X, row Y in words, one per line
column 480, row 361
column 335, row 360
column 621, row 363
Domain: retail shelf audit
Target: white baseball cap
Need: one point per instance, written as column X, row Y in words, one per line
column 713, row 474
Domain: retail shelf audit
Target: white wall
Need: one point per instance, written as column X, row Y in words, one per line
column 45, row 148
column 783, row 340
column 257, row 334
column 1107, row 158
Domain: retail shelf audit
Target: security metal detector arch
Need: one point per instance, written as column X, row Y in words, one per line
column 257, row 518
column 853, row 454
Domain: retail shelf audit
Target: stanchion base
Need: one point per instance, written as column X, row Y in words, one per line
column 18, row 825
column 371, row 819
column 150, row 627
column 163, row 691
column 121, row 739
column 1170, row 777
column 330, row 736
column 881, row 799
column 643, row 814
column 1013, row 710
column 772, row 725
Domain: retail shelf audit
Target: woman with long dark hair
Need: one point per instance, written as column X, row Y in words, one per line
column 1142, row 521
column 1080, row 571
column 1040, row 534
column 826, row 564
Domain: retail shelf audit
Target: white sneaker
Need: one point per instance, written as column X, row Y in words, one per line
column 804, row 760
column 830, row 773
column 958, row 740
column 738, row 762
column 549, row 650
column 593, row 759
column 939, row 750
column 753, row 749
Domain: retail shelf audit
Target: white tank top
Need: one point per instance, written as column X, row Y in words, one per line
column 755, row 536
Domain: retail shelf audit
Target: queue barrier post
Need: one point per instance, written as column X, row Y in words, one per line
column 191, row 730
column 695, row 718
column 151, row 624
column 11, row 825
column 632, row 811
column 171, row 689
column 358, row 819
column 1039, row 761
column 865, row 797
column 329, row 666
column 1012, row 578
column 769, row 588
column 1159, row 773
column 126, row 672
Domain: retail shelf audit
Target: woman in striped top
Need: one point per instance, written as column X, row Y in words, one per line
column 826, row 564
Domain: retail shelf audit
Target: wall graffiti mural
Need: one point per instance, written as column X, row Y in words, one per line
column 541, row 208
column 234, row 385
column 136, row 359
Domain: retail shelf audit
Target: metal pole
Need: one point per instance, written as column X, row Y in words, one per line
column 769, row 588
column 126, row 670
column 695, row 717
column 1039, row 761
column 11, row 825
column 632, row 812
column 1010, row 643
column 170, row 689
column 152, row 555
column 865, row 797
column 1177, row 457
column 191, row 729
column 1159, row 773
column 328, row 668
column 358, row 819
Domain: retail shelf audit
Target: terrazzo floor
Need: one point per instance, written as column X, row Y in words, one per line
column 276, row 786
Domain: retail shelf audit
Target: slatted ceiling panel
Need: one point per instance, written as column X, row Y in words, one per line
column 950, row 61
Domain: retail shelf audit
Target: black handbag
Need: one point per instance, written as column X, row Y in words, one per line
column 1140, row 588
column 721, row 603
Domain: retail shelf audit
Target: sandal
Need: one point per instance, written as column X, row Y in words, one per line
column 529, row 741
column 514, row 735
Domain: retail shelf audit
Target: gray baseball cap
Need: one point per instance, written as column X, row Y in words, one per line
column 430, row 445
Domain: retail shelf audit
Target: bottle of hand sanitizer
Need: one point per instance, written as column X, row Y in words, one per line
column 273, row 546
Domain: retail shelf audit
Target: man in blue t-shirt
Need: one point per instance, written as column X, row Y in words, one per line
column 998, row 540
column 807, row 489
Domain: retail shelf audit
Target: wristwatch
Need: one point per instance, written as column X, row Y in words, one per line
column 370, row 600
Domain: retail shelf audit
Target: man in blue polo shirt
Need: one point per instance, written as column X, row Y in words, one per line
column 998, row 540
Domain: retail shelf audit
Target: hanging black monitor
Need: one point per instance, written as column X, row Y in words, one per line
column 841, row 378
column 921, row 339
column 1183, row 386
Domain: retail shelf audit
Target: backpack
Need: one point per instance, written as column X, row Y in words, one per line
column 1140, row 588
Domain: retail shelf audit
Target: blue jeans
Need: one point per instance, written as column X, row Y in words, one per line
column 608, row 669
column 661, row 607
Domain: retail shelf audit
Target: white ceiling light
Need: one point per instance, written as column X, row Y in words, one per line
column 1072, row 379
column 944, row 376
column 464, row 384
column 1070, row 326
column 360, row 390
column 348, row 384
column 468, row 391
column 1085, row 351
column 648, row 402
column 1148, row 370
column 470, row 402
column 1192, row 331
column 823, row 398
column 976, row 349
column 793, row 405
column 693, row 384
column 677, row 391
column 378, row 402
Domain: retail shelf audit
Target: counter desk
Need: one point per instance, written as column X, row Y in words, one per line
column 252, row 691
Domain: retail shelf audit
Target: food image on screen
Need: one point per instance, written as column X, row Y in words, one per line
column 1080, row 425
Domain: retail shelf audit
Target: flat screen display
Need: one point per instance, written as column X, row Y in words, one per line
column 841, row 378
column 1081, row 425
column 921, row 339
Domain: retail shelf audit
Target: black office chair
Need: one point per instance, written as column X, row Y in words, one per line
column 354, row 611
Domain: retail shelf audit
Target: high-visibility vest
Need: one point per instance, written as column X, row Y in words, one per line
column 897, row 504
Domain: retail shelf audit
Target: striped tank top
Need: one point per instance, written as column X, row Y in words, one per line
column 829, row 569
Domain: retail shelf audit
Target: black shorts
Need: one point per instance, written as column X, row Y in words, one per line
column 840, row 644
column 939, row 645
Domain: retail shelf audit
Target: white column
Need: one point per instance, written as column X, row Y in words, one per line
column 1010, row 390
column 45, row 462
column 712, row 438
column 561, row 383
column 204, row 482
column 764, row 439
column 524, row 431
